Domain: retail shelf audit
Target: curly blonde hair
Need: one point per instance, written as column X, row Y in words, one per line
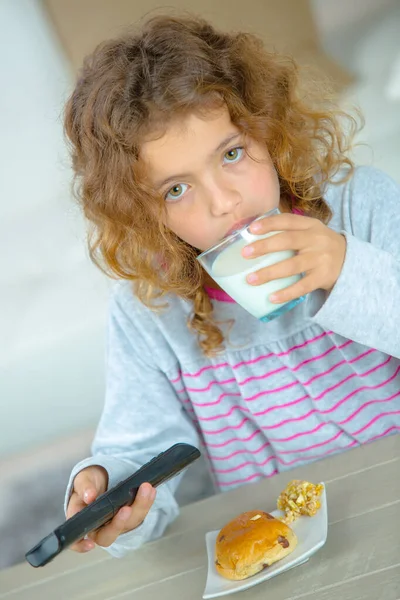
column 137, row 84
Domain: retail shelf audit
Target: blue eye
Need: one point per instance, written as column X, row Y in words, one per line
column 234, row 155
column 176, row 192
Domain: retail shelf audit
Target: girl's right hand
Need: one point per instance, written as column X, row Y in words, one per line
column 91, row 483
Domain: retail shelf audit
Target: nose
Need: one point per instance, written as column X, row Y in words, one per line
column 224, row 198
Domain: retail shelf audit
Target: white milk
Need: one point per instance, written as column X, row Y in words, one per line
column 229, row 270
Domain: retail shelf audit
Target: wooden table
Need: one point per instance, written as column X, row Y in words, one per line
column 360, row 560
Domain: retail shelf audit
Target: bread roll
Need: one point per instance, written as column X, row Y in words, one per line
column 251, row 542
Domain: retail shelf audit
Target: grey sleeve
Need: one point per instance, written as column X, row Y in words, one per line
column 364, row 304
column 141, row 418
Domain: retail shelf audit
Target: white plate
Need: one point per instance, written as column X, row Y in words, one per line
column 311, row 535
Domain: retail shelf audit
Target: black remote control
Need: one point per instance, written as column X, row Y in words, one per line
column 102, row 510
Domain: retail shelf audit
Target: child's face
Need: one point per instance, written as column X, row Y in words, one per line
column 213, row 185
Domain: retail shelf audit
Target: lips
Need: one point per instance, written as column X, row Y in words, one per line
column 240, row 225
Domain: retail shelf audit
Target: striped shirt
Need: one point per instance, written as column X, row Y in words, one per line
column 321, row 379
column 279, row 408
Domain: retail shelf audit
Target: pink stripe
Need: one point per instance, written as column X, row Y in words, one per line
column 365, row 406
column 306, row 343
column 330, row 389
column 208, row 367
column 218, row 400
column 353, row 443
column 222, row 444
column 228, row 414
column 350, row 445
column 240, row 383
column 376, row 437
column 259, row 358
column 246, row 464
column 319, row 456
column 247, row 451
column 219, row 295
column 386, row 414
column 305, row 416
column 372, row 370
column 300, row 434
column 227, row 428
column 347, row 343
column 291, row 420
column 314, row 358
column 342, row 401
column 279, row 370
column 296, row 211
column 265, row 392
column 351, row 376
column 264, row 376
column 274, row 391
column 308, row 448
column 328, row 441
column 302, row 398
column 319, row 375
column 360, row 356
column 318, row 427
column 285, row 463
column 339, row 364
column 335, row 437
column 209, row 386
column 275, row 406
column 283, row 368
column 247, row 479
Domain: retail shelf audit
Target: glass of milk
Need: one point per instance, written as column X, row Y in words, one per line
column 226, row 265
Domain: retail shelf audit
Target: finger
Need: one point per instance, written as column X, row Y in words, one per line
column 128, row 517
column 86, row 489
column 287, row 240
column 281, row 222
column 75, row 505
column 304, row 286
column 88, row 486
column 301, row 263
column 83, row 546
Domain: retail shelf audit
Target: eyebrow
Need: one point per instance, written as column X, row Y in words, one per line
column 218, row 149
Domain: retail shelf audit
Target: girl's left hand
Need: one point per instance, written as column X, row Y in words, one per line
column 320, row 254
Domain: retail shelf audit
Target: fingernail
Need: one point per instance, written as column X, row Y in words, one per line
column 248, row 251
column 255, row 227
column 89, row 546
column 86, row 495
column 274, row 298
column 252, row 278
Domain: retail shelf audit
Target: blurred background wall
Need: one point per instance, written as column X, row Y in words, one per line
column 53, row 301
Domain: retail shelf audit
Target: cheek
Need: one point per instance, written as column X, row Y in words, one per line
column 192, row 228
column 263, row 186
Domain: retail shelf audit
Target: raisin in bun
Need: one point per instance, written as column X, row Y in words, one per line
column 251, row 542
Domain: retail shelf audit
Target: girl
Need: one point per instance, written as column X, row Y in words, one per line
column 179, row 133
